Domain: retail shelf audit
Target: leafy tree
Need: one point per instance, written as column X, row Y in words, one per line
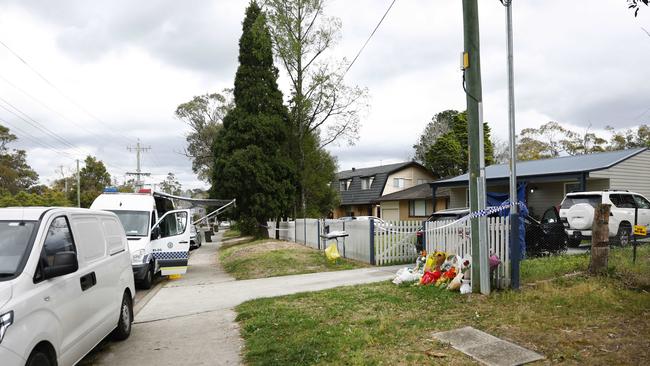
column 204, row 115
column 551, row 140
column 93, row 178
column 439, row 125
column 323, row 109
column 501, row 150
column 15, row 174
column 446, row 158
column 635, row 4
column 320, row 171
column 252, row 162
column 629, row 139
column 46, row 197
column 171, row 185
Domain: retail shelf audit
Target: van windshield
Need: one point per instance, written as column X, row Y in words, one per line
column 590, row 199
column 135, row 223
column 14, row 241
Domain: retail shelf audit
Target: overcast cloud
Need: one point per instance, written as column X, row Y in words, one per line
column 124, row 66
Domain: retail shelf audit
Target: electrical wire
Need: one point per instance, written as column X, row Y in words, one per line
column 367, row 40
column 72, row 101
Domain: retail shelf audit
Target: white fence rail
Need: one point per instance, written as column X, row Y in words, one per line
column 456, row 239
column 394, row 242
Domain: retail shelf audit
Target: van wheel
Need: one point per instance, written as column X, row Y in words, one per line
column 573, row 243
column 147, row 281
column 38, row 358
column 123, row 329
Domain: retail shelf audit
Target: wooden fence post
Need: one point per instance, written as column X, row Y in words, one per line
column 600, row 240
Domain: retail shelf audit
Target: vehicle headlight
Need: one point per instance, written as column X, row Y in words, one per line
column 6, row 320
column 137, row 256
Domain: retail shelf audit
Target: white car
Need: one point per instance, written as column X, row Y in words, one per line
column 65, row 284
column 577, row 214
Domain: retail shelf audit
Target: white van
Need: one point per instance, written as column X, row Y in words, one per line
column 65, row 284
column 158, row 235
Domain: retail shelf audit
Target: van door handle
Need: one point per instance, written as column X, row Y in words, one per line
column 182, row 242
column 88, row 281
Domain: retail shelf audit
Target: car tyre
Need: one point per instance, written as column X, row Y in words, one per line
column 573, row 243
column 624, row 235
column 123, row 329
column 147, row 281
column 38, row 358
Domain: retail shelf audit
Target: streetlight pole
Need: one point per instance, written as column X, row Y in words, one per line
column 515, row 248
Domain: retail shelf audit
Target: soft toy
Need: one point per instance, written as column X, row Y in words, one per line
column 427, row 278
column 440, row 258
column 456, row 282
column 429, row 264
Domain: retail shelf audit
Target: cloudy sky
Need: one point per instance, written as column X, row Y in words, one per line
column 96, row 76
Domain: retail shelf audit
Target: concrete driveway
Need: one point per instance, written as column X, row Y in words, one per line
column 191, row 321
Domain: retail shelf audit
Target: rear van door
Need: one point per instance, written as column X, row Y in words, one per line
column 170, row 244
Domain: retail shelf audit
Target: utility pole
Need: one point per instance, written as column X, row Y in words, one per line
column 515, row 247
column 65, row 180
column 138, row 172
column 472, row 79
column 78, row 186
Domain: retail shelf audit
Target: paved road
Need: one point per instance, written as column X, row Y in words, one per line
column 191, row 321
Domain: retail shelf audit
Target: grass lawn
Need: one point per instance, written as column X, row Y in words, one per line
column 569, row 319
column 270, row 258
column 231, row 233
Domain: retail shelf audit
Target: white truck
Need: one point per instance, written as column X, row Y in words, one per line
column 577, row 214
column 158, row 235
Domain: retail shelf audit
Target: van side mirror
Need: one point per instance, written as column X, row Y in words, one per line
column 155, row 233
column 64, row 263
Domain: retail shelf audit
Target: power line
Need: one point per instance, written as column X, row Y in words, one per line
column 72, row 101
column 367, row 40
column 93, row 134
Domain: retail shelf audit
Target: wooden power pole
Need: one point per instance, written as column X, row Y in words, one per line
column 600, row 240
column 472, row 84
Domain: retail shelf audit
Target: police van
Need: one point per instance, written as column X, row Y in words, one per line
column 158, row 235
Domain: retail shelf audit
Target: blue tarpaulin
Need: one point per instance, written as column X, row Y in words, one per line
column 499, row 199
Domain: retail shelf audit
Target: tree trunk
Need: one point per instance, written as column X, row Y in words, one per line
column 600, row 240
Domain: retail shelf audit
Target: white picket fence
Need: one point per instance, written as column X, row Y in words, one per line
column 456, row 239
column 395, row 242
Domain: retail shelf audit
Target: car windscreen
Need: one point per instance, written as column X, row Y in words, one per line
column 15, row 237
column 135, row 223
column 590, row 199
column 443, row 217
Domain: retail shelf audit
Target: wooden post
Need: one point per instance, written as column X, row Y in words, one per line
column 600, row 240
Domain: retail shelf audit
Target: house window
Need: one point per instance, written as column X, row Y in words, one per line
column 344, row 184
column 417, row 208
column 572, row 187
column 366, row 182
column 421, row 181
column 398, row 182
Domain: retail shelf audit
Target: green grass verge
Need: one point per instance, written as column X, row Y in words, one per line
column 231, row 233
column 577, row 319
column 270, row 258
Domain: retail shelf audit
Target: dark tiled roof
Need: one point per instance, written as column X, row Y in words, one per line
column 554, row 166
column 421, row 191
column 355, row 195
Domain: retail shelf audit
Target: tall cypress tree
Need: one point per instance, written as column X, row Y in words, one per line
column 252, row 162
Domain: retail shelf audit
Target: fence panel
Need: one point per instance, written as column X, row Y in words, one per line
column 455, row 238
column 357, row 245
column 395, row 241
column 287, row 230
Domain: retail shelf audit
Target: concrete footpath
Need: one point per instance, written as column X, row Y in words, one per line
column 191, row 321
